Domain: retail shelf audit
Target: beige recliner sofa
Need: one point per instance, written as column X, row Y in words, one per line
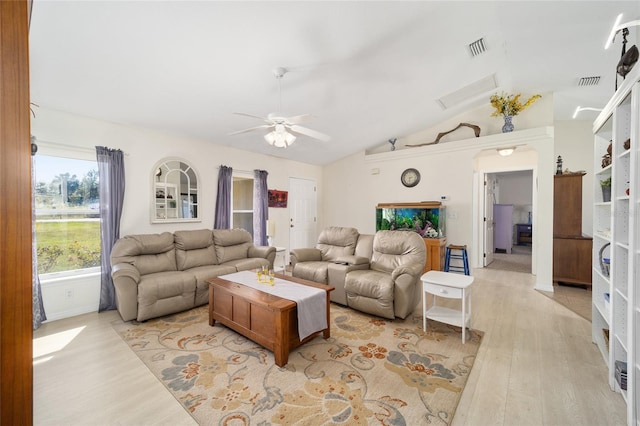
column 377, row 274
column 160, row 274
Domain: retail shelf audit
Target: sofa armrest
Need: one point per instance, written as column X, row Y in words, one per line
column 122, row 271
column 404, row 290
column 413, row 269
column 125, row 280
column 352, row 260
column 264, row 252
column 305, row 255
column 261, row 251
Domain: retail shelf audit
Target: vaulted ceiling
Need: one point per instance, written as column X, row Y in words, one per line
column 367, row 71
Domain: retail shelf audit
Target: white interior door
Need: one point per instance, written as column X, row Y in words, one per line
column 302, row 213
column 489, row 201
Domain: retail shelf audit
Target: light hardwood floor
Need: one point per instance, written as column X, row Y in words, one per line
column 536, row 366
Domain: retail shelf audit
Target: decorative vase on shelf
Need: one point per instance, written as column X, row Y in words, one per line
column 508, row 125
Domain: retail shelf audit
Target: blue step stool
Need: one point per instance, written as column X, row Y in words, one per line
column 462, row 256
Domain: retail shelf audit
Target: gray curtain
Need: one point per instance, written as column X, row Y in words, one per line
column 111, row 187
column 38, row 307
column 223, row 199
column 260, row 207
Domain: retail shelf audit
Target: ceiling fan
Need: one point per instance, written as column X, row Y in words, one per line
column 284, row 129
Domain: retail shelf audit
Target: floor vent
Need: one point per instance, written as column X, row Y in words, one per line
column 589, row 81
column 477, row 47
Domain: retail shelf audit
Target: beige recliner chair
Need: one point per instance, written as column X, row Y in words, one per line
column 338, row 251
column 388, row 287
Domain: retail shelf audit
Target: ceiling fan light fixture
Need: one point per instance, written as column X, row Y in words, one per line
column 280, row 136
column 280, row 139
column 505, row 152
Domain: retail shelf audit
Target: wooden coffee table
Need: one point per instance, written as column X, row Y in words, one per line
column 264, row 318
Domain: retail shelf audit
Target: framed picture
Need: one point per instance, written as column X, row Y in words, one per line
column 277, row 198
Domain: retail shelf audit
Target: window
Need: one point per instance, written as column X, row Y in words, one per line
column 242, row 202
column 67, row 214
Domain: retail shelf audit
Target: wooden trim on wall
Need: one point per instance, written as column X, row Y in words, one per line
column 16, row 335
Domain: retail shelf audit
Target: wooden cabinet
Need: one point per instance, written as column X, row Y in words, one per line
column 572, row 260
column 571, row 250
column 567, row 205
column 435, row 254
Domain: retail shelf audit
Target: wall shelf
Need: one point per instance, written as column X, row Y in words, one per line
column 618, row 223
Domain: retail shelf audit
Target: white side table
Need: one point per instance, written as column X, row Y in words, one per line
column 452, row 286
column 280, row 253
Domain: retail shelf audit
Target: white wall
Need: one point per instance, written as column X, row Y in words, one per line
column 355, row 185
column 64, row 133
column 515, row 187
column 143, row 148
column 348, row 190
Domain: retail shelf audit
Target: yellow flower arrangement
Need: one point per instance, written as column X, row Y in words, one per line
column 510, row 104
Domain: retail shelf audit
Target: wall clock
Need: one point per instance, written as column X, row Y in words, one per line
column 410, row 178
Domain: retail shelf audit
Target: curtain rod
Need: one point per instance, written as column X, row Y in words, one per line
column 238, row 170
column 68, row 146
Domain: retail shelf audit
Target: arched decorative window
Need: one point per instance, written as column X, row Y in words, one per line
column 175, row 192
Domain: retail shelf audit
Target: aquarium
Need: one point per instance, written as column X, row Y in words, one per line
column 428, row 219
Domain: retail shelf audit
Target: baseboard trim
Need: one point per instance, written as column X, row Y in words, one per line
column 544, row 287
column 78, row 310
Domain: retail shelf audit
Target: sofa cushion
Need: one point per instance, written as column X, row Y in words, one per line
column 248, row 264
column 312, row 271
column 202, row 274
column 165, row 293
column 194, row 248
column 231, row 244
column 149, row 253
column 394, row 248
column 336, row 241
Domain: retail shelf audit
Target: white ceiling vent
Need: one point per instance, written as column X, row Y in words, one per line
column 477, row 47
column 589, row 81
column 468, row 92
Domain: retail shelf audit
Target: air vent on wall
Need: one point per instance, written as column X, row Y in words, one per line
column 589, row 81
column 477, row 47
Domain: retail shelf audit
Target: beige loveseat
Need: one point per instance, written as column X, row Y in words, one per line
column 160, row 274
column 377, row 274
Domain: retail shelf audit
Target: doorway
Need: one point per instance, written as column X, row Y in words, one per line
column 509, row 213
column 302, row 213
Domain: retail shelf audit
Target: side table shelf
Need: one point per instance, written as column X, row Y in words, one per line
column 451, row 286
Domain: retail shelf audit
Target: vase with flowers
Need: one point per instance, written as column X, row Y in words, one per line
column 508, row 106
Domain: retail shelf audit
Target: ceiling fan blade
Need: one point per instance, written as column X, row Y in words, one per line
column 308, row 132
column 251, row 129
column 299, row 118
column 253, row 116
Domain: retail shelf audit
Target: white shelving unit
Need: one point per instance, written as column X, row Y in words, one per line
column 616, row 226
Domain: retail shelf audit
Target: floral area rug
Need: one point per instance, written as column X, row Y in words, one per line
column 371, row 371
